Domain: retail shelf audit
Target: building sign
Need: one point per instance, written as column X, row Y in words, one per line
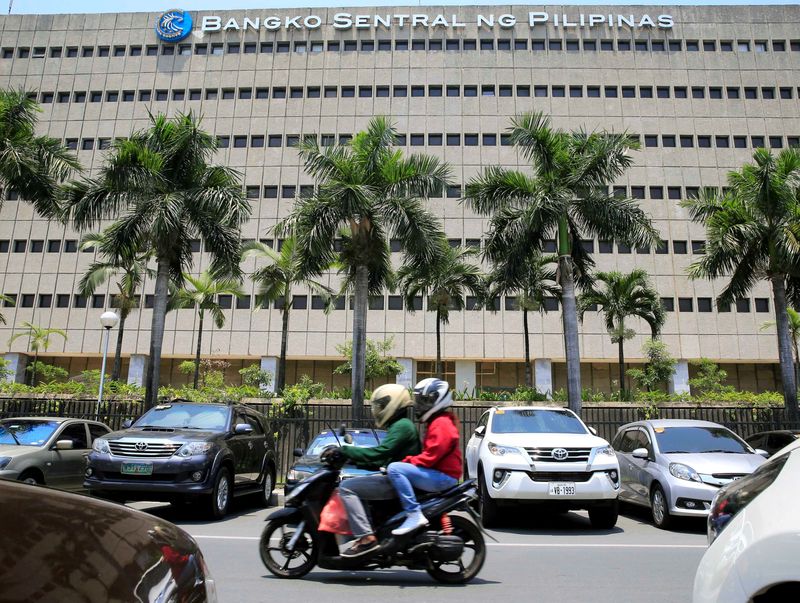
column 174, row 25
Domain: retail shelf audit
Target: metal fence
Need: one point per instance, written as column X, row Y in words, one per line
column 310, row 420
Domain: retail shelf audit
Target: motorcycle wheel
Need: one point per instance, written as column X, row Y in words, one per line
column 471, row 560
column 275, row 556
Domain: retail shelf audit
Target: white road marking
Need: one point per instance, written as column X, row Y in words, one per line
column 582, row 545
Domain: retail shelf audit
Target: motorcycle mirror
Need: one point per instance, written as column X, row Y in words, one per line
column 342, row 430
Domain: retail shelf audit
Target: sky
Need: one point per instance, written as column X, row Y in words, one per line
column 100, row 6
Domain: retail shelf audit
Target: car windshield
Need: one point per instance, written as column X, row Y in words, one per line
column 185, row 416
column 676, row 440
column 535, row 421
column 363, row 439
column 26, row 433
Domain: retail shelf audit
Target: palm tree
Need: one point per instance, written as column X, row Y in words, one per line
column 275, row 281
column 794, row 332
column 623, row 296
column 367, row 193
column 130, row 271
column 38, row 339
column 566, row 197
column 203, row 292
column 29, row 164
column 168, row 194
column 445, row 280
column 6, row 301
column 531, row 282
column 752, row 234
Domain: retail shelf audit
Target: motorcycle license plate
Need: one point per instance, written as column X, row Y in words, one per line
column 562, row 489
column 137, row 468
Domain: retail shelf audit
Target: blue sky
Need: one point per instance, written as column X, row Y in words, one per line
column 99, row 6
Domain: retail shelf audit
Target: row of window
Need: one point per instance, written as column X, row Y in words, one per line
column 377, row 302
column 431, row 90
column 437, row 44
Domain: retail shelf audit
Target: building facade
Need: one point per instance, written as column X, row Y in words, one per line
column 701, row 87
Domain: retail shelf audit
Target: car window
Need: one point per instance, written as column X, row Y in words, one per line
column 642, row 440
column 255, row 424
column 699, row 439
column 482, row 422
column 185, row 416
column 364, row 439
column 628, row 440
column 757, row 441
column 778, row 441
column 77, row 433
column 26, row 433
column 535, row 421
column 97, row 431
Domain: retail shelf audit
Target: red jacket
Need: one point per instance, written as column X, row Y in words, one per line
column 441, row 449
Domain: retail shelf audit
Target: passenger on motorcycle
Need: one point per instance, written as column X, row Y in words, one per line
column 389, row 409
column 438, row 467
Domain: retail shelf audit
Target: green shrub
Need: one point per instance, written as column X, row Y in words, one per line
column 253, row 376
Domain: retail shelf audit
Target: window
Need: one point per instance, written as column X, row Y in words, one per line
column 679, row 247
column 668, row 140
column 776, row 142
column 762, row 304
column 750, row 92
column 758, row 142
column 668, row 304
column 662, row 91
column 637, row 192
column 709, row 45
column 743, row 46
column 656, row 192
column 20, row 245
column 417, row 140
column 650, row 140
column 490, row 140
column 680, row 92
column 587, row 245
column 685, row 304
column 239, row 142
column 593, row 91
column 623, row 248
column 704, row 304
column 453, row 140
column 288, row 192
column 715, row 92
column 270, row 192
column 454, row 191
column 279, row 92
column 575, row 91
column 470, row 140
column 778, row 46
column 590, row 44
column 487, row 90
column 740, row 142
column 417, row 91
column 768, row 93
column 252, row 192
column 297, row 92
column 550, row 304
column 786, row 93
column 726, row 46
column 470, row 91
column 646, row 91
column 722, row 142
column 742, row 305
column 623, row 45
column 698, row 247
column 698, row 92
column 37, row 246
column 611, row 92
column 435, row 140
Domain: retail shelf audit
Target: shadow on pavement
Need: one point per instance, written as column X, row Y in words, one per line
column 682, row 525
column 195, row 513
column 535, row 521
column 400, row 577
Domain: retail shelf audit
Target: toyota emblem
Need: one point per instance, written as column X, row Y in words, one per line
column 560, row 454
column 141, row 446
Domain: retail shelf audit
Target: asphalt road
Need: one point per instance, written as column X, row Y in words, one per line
column 535, row 559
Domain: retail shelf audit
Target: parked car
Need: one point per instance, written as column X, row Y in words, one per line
column 47, row 450
column 675, row 466
column 542, row 455
column 754, row 537
column 308, row 460
column 772, row 441
column 92, row 551
column 185, row 451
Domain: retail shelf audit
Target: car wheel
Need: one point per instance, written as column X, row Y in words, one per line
column 220, row 495
column 604, row 517
column 659, row 507
column 487, row 507
column 31, row 477
column 267, row 487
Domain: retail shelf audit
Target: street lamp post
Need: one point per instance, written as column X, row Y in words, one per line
column 109, row 320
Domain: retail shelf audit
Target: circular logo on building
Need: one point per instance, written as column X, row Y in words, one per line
column 174, row 25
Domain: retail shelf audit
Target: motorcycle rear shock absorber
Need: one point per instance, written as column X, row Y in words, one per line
column 447, row 524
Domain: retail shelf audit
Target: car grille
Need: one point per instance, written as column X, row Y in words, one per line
column 720, row 479
column 560, row 476
column 143, row 449
column 546, row 455
column 122, row 477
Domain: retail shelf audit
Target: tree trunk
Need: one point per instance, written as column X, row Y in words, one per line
column 359, row 360
column 115, row 372
column 157, row 334
column 438, row 368
column 621, row 368
column 785, row 348
column 569, row 317
column 280, row 378
column 796, row 364
column 526, row 335
column 33, row 371
column 197, row 353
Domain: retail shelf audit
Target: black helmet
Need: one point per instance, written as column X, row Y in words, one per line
column 431, row 396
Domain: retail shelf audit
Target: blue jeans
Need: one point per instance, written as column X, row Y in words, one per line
column 405, row 477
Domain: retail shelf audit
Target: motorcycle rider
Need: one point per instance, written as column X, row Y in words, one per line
column 389, row 409
column 438, row 467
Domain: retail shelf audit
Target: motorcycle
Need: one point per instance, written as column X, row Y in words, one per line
column 451, row 548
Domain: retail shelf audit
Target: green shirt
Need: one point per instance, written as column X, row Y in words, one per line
column 401, row 441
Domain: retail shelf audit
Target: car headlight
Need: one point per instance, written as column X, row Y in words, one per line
column 4, row 461
column 682, row 471
column 193, row 448
column 604, row 451
column 295, row 476
column 498, row 450
column 100, row 445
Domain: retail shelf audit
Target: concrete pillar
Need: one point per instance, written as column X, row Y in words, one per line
column 137, row 368
column 269, row 364
column 543, row 376
column 679, row 383
column 407, row 377
column 465, row 378
column 17, row 363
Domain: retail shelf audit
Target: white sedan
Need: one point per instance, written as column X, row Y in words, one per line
column 754, row 530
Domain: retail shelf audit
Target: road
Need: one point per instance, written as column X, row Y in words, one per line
column 547, row 559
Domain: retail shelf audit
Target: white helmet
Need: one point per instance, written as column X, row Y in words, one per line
column 431, row 395
column 387, row 401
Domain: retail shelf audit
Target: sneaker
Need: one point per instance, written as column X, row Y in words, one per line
column 414, row 521
column 359, row 549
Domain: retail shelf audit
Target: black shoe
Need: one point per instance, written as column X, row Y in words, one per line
column 360, row 549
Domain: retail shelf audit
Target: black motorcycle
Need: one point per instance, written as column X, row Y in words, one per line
column 451, row 548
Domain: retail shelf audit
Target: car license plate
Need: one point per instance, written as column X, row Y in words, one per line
column 137, row 468
column 562, row 489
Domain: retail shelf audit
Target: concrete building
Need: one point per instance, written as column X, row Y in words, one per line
column 702, row 87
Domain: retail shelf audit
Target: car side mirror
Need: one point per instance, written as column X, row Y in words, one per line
column 762, row 452
column 480, row 431
column 64, row 445
column 127, row 423
column 593, row 430
column 242, row 429
column 641, row 453
column 297, row 452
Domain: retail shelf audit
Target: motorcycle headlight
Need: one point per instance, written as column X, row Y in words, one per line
column 604, row 451
column 4, row 461
column 193, row 448
column 498, row 450
column 295, row 476
column 100, row 445
column 682, row 471
column 295, row 493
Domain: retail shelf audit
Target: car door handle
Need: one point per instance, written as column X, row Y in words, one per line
column 249, row 444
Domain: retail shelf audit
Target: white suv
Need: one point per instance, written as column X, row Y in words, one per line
column 542, row 455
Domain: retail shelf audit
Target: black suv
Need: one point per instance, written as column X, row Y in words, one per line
column 183, row 451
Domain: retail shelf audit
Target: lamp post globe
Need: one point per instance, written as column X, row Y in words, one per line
column 109, row 320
